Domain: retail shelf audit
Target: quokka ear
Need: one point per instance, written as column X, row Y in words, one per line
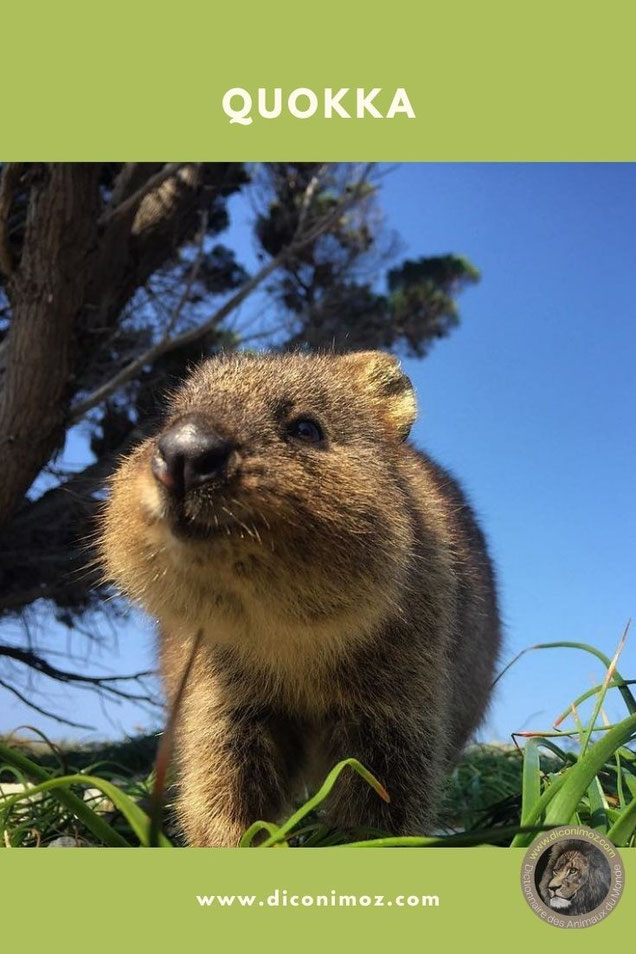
column 387, row 385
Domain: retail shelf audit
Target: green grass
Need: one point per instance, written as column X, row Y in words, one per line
column 497, row 794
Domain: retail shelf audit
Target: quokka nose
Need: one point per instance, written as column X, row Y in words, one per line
column 190, row 454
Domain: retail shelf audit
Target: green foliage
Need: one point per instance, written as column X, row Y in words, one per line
column 333, row 288
column 422, row 297
column 101, row 804
column 500, row 795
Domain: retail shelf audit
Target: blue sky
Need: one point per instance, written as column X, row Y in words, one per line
column 530, row 403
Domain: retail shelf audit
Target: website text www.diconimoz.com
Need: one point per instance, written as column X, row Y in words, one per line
column 287, row 899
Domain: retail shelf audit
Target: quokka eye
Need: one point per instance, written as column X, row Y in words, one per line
column 307, row 430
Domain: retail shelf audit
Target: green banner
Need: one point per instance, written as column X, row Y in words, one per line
column 373, row 899
column 484, row 81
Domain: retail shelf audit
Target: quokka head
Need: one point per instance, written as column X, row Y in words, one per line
column 271, row 473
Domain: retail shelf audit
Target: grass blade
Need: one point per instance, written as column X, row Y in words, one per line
column 586, row 695
column 462, row 840
column 624, row 827
column 322, row 794
column 531, row 779
column 622, row 685
column 611, row 669
column 578, row 778
column 100, row 828
column 134, row 815
column 253, row 830
column 598, row 806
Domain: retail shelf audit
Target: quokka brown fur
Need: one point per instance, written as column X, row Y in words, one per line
column 341, row 582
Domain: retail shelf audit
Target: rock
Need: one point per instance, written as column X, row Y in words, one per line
column 64, row 841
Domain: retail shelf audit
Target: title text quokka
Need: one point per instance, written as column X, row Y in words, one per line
column 303, row 103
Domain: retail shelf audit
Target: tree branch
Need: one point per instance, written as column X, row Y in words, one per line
column 104, row 684
column 191, row 279
column 167, row 344
column 132, row 203
column 44, row 712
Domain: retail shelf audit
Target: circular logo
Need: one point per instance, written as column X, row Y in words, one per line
column 572, row 877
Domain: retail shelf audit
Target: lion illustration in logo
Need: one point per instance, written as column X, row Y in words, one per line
column 576, row 878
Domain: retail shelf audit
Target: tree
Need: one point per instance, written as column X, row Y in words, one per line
column 113, row 281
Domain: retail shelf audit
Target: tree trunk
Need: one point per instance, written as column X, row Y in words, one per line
column 47, row 292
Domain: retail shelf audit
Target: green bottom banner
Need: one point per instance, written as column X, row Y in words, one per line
column 292, row 900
